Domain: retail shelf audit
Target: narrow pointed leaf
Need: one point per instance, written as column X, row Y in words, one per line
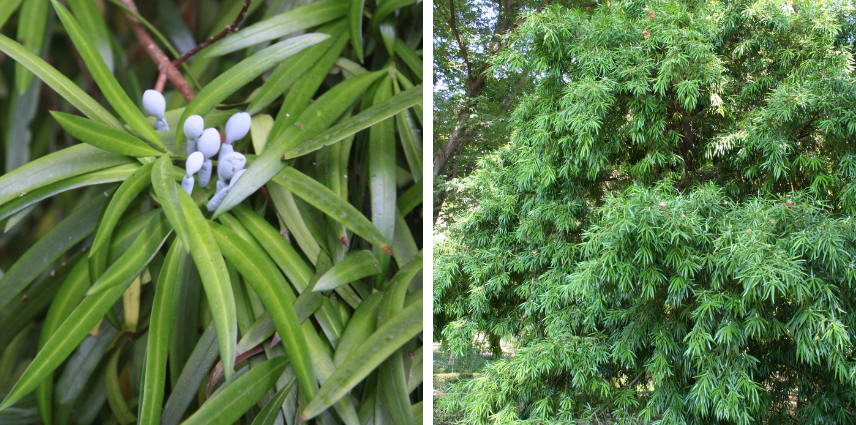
column 242, row 73
column 114, row 393
column 370, row 354
column 167, row 192
column 261, row 274
column 69, row 335
column 355, row 266
column 49, row 248
column 90, row 19
column 104, row 137
column 268, row 415
column 365, row 119
column 133, row 261
column 299, row 18
column 408, row 56
column 381, row 162
column 329, row 203
column 59, row 82
column 194, row 373
column 108, row 175
column 386, row 7
column 167, row 295
column 355, row 26
column 105, row 79
column 69, row 162
column 362, row 324
column 124, row 195
column 215, row 280
column 7, row 8
column 32, row 35
column 236, row 398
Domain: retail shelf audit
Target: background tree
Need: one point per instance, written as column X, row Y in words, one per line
column 669, row 234
column 130, row 298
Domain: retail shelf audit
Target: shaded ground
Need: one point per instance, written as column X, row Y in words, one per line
column 449, row 369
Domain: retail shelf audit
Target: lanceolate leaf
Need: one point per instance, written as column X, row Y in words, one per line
column 7, row 8
column 167, row 295
column 269, row 413
column 318, row 116
column 374, row 350
column 51, row 246
column 242, row 73
column 114, row 393
column 386, row 7
column 167, row 192
column 237, row 397
column 381, row 162
column 103, row 137
column 63, row 342
column 299, row 18
column 105, row 79
column 194, row 373
column 132, row 263
column 59, row 82
column 409, row 56
column 32, row 35
column 355, row 266
column 362, row 324
column 261, row 273
column 365, row 119
column 69, row 162
column 328, row 202
column 355, row 25
column 215, row 280
column 108, row 175
column 127, row 191
column 90, row 19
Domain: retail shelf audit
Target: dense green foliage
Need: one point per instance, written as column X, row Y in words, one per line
column 670, row 233
column 125, row 297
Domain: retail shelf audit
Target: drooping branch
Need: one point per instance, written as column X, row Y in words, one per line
column 229, row 29
column 165, row 66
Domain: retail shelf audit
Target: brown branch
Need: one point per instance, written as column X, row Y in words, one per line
column 157, row 55
column 464, row 54
column 161, row 82
column 233, row 27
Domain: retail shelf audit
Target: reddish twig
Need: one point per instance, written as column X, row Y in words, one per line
column 165, row 66
column 161, row 82
column 233, row 27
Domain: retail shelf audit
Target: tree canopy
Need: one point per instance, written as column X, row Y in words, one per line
column 669, row 233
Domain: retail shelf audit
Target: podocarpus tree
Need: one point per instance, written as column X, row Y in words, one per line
column 670, row 233
column 155, row 276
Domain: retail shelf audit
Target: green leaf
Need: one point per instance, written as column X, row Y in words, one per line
column 268, row 415
column 32, row 34
column 114, row 93
column 381, row 162
column 284, row 201
column 282, row 253
column 244, row 72
column 82, row 364
column 227, row 406
column 290, row 71
column 362, row 324
column 69, row 162
column 90, row 19
column 329, row 203
column 69, row 335
column 124, row 195
column 70, row 294
column 297, row 19
column 408, row 56
column 215, row 280
column 410, row 143
column 410, row 198
column 167, row 193
column 365, row 119
column 192, row 376
column 355, row 266
column 261, row 274
column 386, row 340
column 59, row 82
column 104, row 137
column 314, row 119
column 109, row 175
column 7, row 8
column 355, row 25
column 164, row 307
column 114, row 393
column 407, row 85
column 386, row 7
column 135, row 259
column 62, row 237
